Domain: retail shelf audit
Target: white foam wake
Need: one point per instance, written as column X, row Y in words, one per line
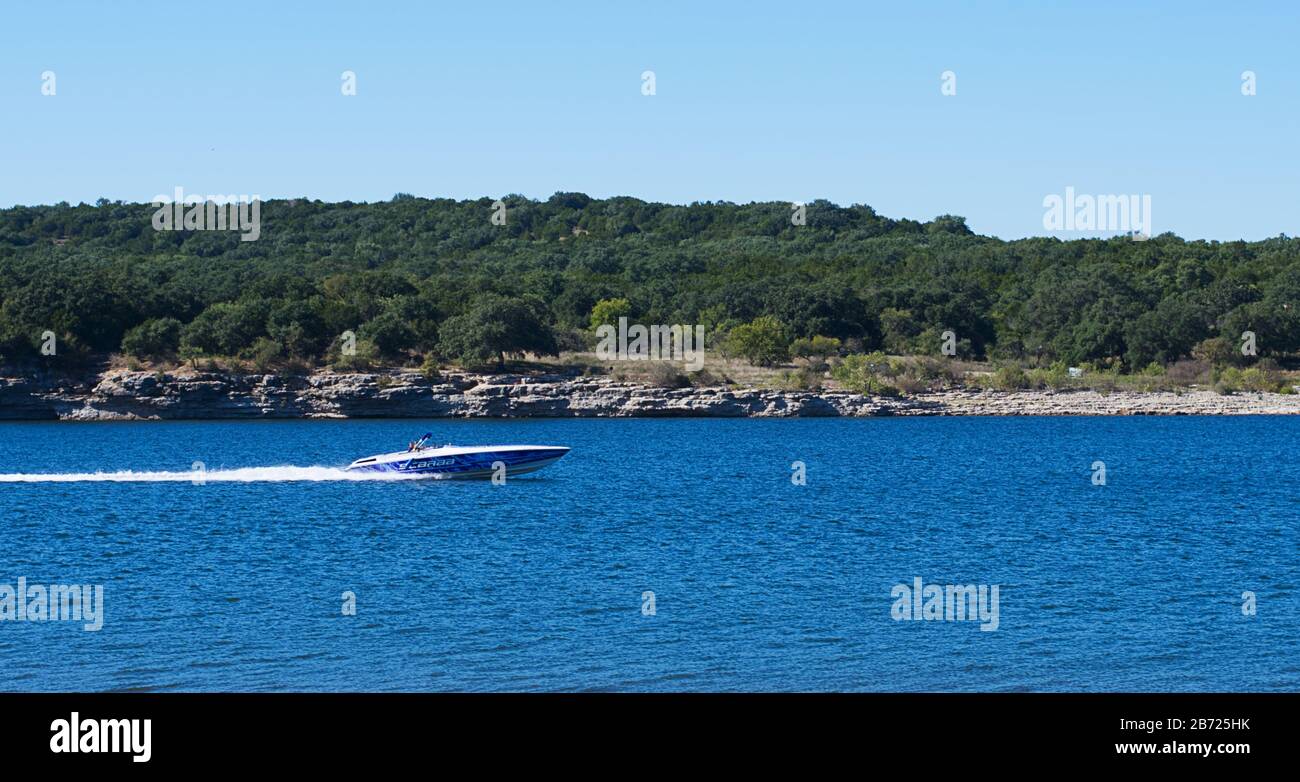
column 240, row 475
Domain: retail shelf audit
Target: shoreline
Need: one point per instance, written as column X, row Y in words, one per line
column 124, row 395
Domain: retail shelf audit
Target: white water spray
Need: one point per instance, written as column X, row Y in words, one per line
column 239, row 475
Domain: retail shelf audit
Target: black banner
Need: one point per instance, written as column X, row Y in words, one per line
column 214, row 731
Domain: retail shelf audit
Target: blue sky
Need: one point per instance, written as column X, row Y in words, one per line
column 755, row 101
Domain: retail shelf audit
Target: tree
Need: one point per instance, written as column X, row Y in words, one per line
column 866, row 374
column 497, row 325
column 899, row 330
column 1165, row 334
column 761, row 341
column 608, row 311
column 154, row 338
column 299, row 329
column 390, row 334
column 815, row 350
column 226, row 329
column 91, row 274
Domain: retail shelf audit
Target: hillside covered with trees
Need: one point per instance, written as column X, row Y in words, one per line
column 418, row 280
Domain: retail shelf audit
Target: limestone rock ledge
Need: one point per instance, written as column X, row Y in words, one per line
column 126, row 395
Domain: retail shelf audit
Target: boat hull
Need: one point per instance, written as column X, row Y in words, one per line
column 463, row 463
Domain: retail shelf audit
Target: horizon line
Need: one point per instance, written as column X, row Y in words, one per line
column 1075, row 235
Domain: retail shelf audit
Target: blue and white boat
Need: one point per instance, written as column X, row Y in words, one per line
column 459, row 461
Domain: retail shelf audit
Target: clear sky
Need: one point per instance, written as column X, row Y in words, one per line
column 754, row 101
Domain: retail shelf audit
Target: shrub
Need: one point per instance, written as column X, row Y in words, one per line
column 1257, row 379
column 665, row 375
column 705, row 379
column 191, row 355
column 761, row 341
column 1189, row 372
column 153, row 338
column 816, row 350
column 364, row 358
column 1010, row 378
column 1261, row 379
column 802, row 379
column 266, row 354
column 574, row 341
column 1216, row 351
column 908, row 383
column 923, row 373
column 1055, row 377
column 935, row 370
column 1102, row 377
column 1147, row 383
column 865, row 373
column 429, row 369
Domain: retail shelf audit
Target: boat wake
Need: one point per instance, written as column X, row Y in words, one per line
column 239, row 475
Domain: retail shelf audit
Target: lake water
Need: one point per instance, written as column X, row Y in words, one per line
column 758, row 583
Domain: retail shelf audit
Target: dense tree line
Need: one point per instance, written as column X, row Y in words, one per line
column 413, row 278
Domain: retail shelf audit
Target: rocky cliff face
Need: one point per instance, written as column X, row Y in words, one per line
column 125, row 395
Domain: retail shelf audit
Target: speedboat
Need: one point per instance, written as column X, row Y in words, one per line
column 460, row 461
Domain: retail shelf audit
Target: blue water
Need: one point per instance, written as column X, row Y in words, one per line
column 759, row 584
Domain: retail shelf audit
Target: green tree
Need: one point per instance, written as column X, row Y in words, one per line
column 154, row 338
column 815, row 350
column 762, row 341
column 608, row 311
column 866, row 374
column 497, row 325
column 299, row 329
column 227, row 328
column 92, row 273
column 1166, row 333
column 390, row 334
column 899, row 330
